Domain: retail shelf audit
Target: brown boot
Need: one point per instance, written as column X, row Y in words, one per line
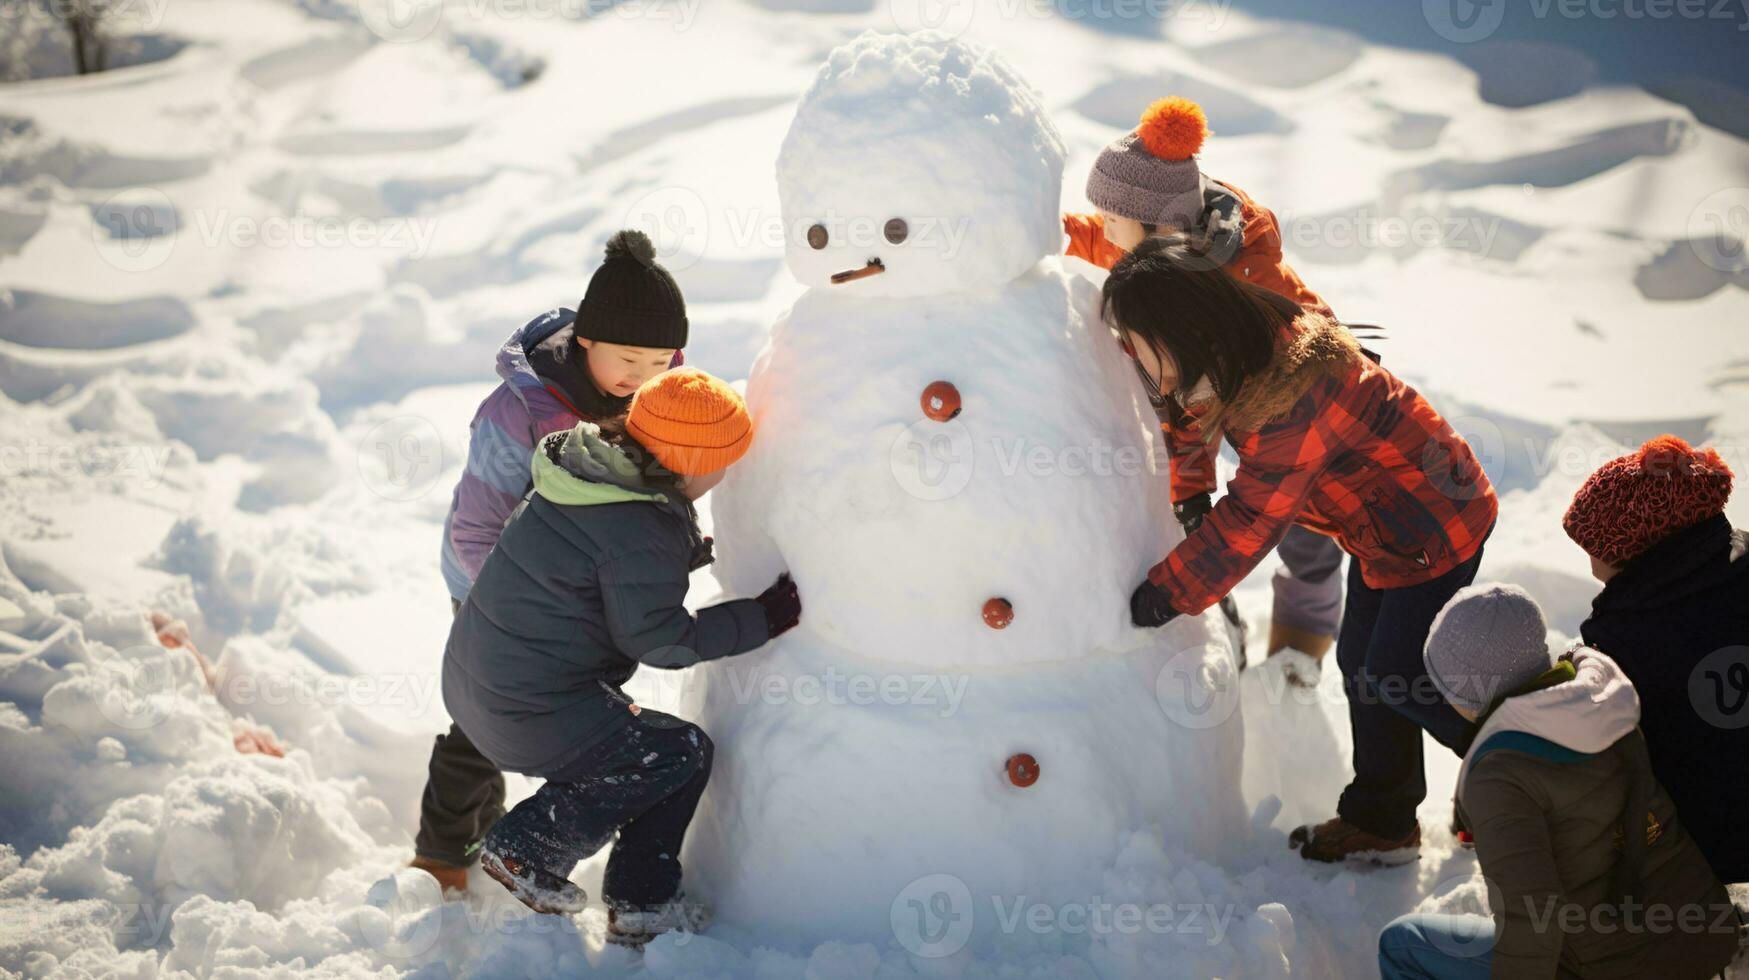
column 449, row 877
column 1283, row 637
column 1338, row 840
column 1302, row 671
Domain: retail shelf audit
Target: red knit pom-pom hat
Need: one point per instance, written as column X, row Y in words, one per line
column 1151, row 174
column 1638, row 500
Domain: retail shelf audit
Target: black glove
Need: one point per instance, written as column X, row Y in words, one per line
column 1151, row 605
column 1191, row 512
column 783, row 606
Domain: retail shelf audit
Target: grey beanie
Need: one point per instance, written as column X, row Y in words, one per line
column 1151, row 175
column 1488, row 641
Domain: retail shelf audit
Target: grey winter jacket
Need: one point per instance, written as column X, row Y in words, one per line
column 1569, row 821
column 586, row 583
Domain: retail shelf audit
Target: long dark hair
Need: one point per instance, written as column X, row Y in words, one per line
column 1171, row 296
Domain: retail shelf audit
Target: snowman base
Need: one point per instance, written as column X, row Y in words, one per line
column 862, row 800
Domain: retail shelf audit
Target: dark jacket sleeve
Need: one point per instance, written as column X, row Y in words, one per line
column 1517, row 855
column 643, row 594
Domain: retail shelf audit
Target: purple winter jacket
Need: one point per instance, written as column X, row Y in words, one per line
column 501, row 442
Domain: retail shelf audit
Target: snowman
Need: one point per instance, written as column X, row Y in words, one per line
column 955, row 461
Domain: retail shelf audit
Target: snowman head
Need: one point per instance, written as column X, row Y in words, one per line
column 918, row 164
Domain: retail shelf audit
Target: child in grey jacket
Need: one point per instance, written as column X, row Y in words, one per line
column 1590, row 870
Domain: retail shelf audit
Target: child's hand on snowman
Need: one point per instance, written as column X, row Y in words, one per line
column 783, row 606
column 1151, row 606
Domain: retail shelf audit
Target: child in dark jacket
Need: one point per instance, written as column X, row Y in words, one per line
column 1590, row 868
column 1149, row 184
column 586, row 583
column 560, row 368
column 1674, row 613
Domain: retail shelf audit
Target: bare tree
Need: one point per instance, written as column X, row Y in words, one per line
column 87, row 25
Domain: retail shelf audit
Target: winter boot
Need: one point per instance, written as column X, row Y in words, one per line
column 1304, row 671
column 634, row 928
column 1338, row 840
column 450, row 877
column 541, row 890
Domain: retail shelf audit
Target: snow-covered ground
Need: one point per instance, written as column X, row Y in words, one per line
column 249, row 296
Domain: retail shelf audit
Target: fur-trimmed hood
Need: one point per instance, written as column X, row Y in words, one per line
column 1313, row 348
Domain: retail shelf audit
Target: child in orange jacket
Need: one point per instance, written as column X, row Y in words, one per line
column 1148, row 183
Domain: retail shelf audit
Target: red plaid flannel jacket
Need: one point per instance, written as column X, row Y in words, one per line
column 1332, row 441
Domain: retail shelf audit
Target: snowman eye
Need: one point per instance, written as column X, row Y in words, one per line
column 896, row 230
column 817, row 236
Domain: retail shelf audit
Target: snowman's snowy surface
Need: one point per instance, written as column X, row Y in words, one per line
column 846, row 788
column 262, row 440
column 1047, row 489
column 1045, row 493
column 937, row 132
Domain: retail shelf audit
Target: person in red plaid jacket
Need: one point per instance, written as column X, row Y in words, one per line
column 1328, row 440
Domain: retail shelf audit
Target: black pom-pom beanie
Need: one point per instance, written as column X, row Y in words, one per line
column 631, row 299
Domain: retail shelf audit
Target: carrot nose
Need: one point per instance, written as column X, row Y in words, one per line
column 874, row 267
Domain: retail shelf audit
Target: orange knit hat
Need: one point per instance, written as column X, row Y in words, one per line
column 692, row 423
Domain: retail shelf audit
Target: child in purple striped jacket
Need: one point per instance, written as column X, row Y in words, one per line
column 562, row 367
